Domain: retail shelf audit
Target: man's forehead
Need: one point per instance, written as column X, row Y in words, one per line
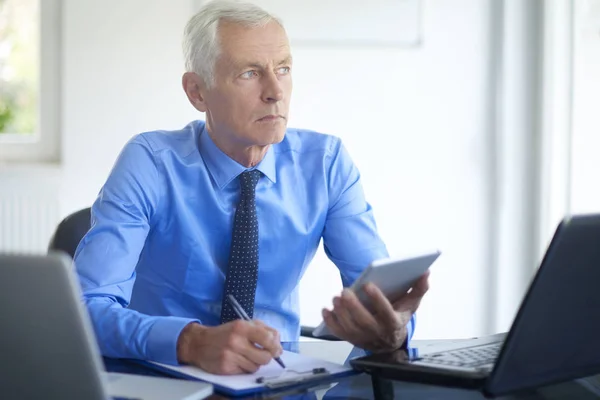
column 243, row 45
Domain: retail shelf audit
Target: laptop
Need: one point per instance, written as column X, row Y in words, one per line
column 554, row 337
column 47, row 344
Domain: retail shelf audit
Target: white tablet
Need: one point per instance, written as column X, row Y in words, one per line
column 393, row 276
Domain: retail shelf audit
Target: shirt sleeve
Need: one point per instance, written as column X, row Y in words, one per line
column 107, row 256
column 350, row 237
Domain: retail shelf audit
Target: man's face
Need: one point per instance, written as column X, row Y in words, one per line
column 249, row 102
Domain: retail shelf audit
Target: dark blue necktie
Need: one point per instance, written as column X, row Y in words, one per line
column 242, row 272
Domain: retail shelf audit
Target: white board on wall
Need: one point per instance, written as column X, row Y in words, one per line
column 393, row 23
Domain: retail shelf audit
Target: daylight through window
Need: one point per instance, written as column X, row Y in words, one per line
column 19, row 66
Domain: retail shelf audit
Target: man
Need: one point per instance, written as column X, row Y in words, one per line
column 236, row 205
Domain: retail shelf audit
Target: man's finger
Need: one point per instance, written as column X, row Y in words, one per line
column 385, row 313
column 331, row 321
column 362, row 319
column 343, row 316
column 246, row 365
column 239, row 342
column 255, row 355
column 420, row 287
column 411, row 301
column 228, row 363
column 263, row 337
column 274, row 333
column 274, row 337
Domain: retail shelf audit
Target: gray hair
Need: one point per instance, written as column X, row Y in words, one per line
column 201, row 46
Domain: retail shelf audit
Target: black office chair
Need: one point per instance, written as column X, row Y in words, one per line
column 71, row 230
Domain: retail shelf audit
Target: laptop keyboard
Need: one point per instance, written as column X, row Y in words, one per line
column 470, row 357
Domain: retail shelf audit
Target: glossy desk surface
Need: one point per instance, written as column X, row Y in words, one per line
column 364, row 387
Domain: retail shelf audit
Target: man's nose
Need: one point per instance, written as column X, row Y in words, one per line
column 272, row 91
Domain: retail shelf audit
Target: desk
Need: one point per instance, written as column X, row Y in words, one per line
column 361, row 386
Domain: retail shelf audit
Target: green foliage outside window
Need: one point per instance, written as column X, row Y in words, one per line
column 19, row 66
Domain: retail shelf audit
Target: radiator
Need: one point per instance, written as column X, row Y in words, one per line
column 29, row 213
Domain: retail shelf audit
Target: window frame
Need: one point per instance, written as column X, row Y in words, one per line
column 44, row 145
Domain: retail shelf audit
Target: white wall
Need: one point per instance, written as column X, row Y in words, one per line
column 414, row 120
column 585, row 189
column 122, row 68
column 415, row 123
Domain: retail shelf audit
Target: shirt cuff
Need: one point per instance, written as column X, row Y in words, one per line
column 410, row 330
column 162, row 339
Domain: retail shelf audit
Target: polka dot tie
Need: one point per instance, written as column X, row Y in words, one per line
column 242, row 272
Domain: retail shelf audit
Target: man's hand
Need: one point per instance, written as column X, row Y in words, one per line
column 230, row 348
column 382, row 330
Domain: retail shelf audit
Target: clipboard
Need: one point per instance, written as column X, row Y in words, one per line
column 292, row 378
column 302, row 371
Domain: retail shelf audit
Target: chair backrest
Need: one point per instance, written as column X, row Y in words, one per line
column 70, row 231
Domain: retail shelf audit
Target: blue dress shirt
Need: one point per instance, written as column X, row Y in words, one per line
column 155, row 258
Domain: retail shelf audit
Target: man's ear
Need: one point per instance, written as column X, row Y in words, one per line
column 194, row 88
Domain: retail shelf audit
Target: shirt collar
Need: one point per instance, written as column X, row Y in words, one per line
column 225, row 169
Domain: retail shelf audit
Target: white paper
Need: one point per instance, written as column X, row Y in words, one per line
column 294, row 362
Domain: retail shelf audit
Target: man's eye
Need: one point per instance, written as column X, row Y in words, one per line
column 283, row 70
column 249, row 74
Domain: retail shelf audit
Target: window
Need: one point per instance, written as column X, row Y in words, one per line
column 29, row 80
column 19, row 66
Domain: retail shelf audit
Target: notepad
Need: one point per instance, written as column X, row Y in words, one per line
column 297, row 366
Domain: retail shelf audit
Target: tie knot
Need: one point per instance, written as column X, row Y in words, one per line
column 248, row 181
